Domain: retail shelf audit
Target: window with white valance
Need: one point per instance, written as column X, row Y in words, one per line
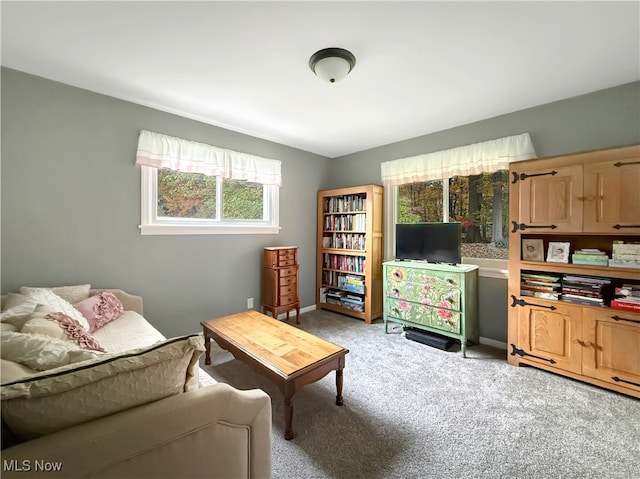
column 484, row 157
column 194, row 188
column 162, row 151
column 439, row 186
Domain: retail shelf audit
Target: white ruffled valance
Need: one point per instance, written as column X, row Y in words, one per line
column 485, row 157
column 163, row 151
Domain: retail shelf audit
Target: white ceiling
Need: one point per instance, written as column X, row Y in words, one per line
column 421, row 66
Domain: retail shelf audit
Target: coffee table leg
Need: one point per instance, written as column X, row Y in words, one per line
column 207, row 347
column 288, row 413
column 339, row 387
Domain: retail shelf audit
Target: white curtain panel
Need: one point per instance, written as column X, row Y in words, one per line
column 162, row 151
column 485, row 157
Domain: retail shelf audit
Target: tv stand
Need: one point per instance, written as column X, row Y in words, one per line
column 440, row 298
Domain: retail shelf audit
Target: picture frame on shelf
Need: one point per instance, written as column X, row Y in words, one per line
column 558, row 252
column 532, row 250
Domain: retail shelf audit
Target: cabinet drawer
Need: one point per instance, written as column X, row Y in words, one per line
column 288, row 299
column 275, row 258
column 434, row 293
column 443, row 319
column 289, row 271
column 288, row 289
column 286, row 280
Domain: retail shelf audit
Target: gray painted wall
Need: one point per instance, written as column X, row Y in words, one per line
column 71, row 206
column 603, row 119
column 70, row 191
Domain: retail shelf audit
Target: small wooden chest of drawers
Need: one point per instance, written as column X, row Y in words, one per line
column 280, row 281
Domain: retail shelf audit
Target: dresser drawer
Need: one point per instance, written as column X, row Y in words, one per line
column 439, row 318
column 279, row 257
column 288, row 298
column 288, row 289
column 434, row 293
column 440, row 279
column 287, row 280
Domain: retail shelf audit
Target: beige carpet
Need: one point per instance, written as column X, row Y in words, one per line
column 412, row 411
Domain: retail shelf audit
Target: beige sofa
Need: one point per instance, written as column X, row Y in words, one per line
column 205, row 430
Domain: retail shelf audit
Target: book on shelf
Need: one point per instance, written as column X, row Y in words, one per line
column 540, row 294
column 590, row 256
column 625, row 305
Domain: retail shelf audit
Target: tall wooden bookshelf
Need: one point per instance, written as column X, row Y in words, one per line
column 349, row 251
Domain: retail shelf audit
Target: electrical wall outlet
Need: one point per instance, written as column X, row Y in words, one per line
column 249, row 303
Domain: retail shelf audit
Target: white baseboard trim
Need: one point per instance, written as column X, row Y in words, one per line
column 493, row 343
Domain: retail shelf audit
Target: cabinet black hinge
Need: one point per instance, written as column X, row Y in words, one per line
column 521, row 226
column 618, row 380
column 522, row 302
column 523, row 353
column 524, row 176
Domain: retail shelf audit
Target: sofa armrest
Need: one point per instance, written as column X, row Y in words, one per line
column 213, row 432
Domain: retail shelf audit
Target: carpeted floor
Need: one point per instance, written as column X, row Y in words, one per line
column 412, row 411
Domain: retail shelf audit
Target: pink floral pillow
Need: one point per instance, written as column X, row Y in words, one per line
column 100, row 309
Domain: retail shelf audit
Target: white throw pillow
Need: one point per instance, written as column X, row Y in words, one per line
column 72, row 294
column 17, row 310
column 49, row 298
column 70, row 395
column 41, row 352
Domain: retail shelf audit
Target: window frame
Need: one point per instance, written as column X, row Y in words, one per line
column 489, row 268
column 151, row 224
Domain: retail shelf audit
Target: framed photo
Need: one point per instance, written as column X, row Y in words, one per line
column 532, row 250
column 558, row 252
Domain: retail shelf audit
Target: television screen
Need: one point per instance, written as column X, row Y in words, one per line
column 432, row 242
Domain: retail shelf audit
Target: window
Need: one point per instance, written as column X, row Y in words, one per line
column 468, row 184
column 192, row 188
column 174, row 202
column 479, row 202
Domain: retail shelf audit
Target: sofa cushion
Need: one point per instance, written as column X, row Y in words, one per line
column 11, row 371
column 41, row 352
column 129, row 331
column 44, row 320
column 100, row 309
column 72, row 294
column 69, row 395
column 23, row 305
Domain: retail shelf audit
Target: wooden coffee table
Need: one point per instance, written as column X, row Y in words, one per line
column 288, row 356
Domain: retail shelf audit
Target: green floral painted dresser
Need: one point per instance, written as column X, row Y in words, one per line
column 440, row 298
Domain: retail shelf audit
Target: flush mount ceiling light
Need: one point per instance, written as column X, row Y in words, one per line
column 332, row 64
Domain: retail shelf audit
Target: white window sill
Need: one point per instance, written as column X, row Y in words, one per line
column 207, row 230
column 490, row 268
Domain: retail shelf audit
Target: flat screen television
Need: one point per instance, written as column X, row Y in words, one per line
column 432, row 242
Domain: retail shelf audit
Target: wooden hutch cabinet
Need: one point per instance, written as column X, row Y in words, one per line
column 589, row 200
column 280, row 281
column 349, row 254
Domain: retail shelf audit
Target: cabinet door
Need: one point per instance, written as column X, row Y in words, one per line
column 548, row 198
column 611, row 350
column 612, row 197
column 550, row 336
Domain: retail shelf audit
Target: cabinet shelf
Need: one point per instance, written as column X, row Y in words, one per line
column 366, row 224
column 591, row 270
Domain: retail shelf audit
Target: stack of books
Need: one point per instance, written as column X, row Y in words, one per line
column 625, row 255
column 538, row 285
column 590, row 256
column 627, row 298
column 586, row 290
